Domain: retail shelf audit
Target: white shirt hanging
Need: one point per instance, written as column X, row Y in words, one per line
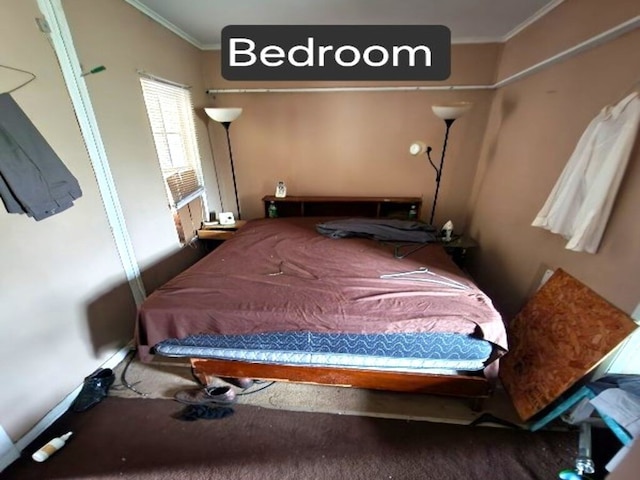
column 579, row 205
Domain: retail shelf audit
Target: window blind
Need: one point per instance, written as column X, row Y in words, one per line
column 170, row 113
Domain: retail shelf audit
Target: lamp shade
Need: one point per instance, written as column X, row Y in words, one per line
column 451, row 111
column 223, row 114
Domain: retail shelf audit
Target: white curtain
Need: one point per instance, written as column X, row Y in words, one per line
column 579, row 205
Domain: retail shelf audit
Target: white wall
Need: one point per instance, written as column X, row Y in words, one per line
column 114, row 34
column 66, row 305
column 57, row 274
column 627, row 360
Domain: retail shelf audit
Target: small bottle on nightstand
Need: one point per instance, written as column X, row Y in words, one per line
column 413, row 212
column 273, row 210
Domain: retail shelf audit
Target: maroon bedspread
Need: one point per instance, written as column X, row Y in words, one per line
column 281, row 275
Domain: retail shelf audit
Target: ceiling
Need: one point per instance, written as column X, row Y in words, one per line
column 471, row 21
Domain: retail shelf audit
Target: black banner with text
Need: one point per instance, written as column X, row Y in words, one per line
column 336, row 52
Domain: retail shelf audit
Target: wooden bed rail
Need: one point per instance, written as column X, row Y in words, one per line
column 454, row 385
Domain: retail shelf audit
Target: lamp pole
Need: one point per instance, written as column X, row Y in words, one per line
column 233, row 170
column 225, row 116
column 448, row 122
column 448, row 112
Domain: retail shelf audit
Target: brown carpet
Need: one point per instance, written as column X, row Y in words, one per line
column 126, row 438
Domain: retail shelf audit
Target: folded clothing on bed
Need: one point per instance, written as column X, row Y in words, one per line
column 389, row 230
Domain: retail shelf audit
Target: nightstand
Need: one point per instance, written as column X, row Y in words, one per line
column 457, row 248
column 219, row 233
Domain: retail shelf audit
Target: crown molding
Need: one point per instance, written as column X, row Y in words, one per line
column 532, row 19
column 592, row 42
column 596, row 40
column 468, row 40
column 165, row 23
column 460, row 41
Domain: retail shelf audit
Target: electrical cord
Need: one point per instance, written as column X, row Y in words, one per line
column 131, row 386
column 263, row 387
column 123, row 378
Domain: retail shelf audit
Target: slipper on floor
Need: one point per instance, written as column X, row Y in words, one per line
column 194, row 412
column 240, row 382
column 206, row 396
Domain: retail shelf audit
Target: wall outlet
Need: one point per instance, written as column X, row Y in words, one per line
column 546, row 276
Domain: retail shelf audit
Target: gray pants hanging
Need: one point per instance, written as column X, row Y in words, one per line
column 33, row 179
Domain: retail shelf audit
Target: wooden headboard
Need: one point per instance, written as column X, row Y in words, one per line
column 319, row 206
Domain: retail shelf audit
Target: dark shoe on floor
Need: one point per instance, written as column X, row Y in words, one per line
column 206, row 396
column 208, row 412
column 242, row 382
column 95, row 388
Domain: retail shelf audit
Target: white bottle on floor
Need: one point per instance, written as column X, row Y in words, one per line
column 50, row 448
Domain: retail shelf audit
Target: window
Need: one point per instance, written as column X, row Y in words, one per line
column 170, row 114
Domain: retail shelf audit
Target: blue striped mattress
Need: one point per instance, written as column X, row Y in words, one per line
column 386, row 351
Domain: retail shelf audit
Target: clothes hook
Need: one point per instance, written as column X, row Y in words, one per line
column 98, row 69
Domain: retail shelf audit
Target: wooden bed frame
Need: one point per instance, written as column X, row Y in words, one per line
column 475, row 387
column 453, row 385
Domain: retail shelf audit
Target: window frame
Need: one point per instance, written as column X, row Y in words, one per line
column 169, row 109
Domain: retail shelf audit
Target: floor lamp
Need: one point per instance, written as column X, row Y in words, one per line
column 448, row 112
column 225, row 116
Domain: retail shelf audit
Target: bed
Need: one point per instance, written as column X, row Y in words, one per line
column 280, row 301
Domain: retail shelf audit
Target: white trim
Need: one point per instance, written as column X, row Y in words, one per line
column 472, row 40
column 9, row 453
column 62, row 41
column 408, row 88
column 64, row 405
column 532, row 19
column 164, row 22
column 458, row 41
column 592, row 42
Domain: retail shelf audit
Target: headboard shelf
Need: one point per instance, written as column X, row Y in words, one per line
column 325, row 206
